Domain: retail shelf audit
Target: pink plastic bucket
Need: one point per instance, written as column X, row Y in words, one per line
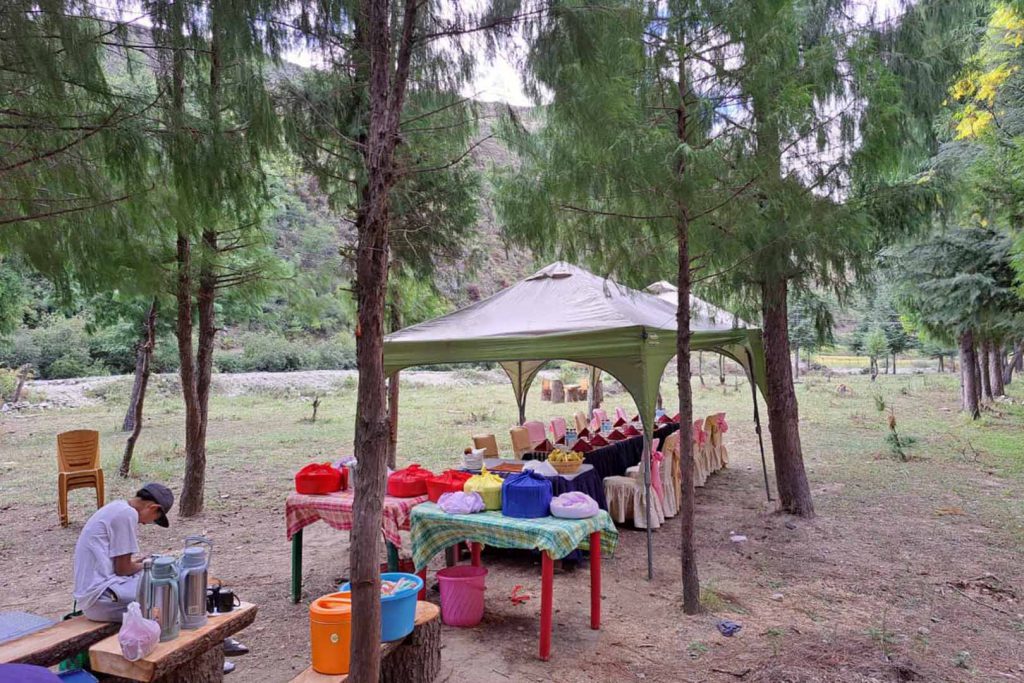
column 462, row 595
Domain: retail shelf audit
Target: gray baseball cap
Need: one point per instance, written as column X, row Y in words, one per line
column 162, row 496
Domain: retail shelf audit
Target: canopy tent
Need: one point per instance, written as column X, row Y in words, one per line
column 565, row 312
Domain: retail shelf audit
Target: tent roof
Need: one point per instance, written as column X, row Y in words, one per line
column 558, row 299
column 701, row 312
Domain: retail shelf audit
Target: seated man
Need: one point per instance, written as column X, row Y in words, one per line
column 106, row 575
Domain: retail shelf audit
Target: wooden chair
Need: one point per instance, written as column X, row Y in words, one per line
column 557, row 428
column 584, row 386
column 581, row 422
column 78, row 467
column 488, row 443
column 535, row 430
column 520, row 441
column 545, row 390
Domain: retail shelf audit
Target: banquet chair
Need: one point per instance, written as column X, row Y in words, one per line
column 701, row 454
column 520, row 441
column 600, row 415
column 488, row 443
column 557, row 428
column 581, row 421
column 582, row 389
column 535, row 431
column 627, row 500
column 620, row 414
column 671, row 475
column 78, row 467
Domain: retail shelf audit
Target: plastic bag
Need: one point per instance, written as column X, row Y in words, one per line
column 541, row 467
column 138, row 636
column 573, row 505
column 461, row 503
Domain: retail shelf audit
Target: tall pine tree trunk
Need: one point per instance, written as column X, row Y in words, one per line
column 1014, row 364
column 691, row 577
column 995, row 369
column 783, row 416
column 967, row 375
column 201, row 372
column 145, row 353
column 983, row 365
column 143, row 356
column 195, row 448
column 595, row 394
column 796, row 361
column 386, row 95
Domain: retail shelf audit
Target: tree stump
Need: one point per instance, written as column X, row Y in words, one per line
column 417, row 659
column 557, row 391
column 205, row 668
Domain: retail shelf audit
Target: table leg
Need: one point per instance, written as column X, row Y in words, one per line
column 392, row 556
column 296, row 566
column 475, row 549
column 547, row 576
column 450, row 555
column 595, row 580
column 423, row 591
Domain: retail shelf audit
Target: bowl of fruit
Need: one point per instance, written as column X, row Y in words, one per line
column 566, row 462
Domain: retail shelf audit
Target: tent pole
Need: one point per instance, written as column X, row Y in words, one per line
column 521, row 396
column 757, row 425
column 647, row 504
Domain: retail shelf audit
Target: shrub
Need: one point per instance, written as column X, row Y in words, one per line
column 274, row 353
column 73, row 365
column 8, row 383
column 338, row 353
column 229, row 361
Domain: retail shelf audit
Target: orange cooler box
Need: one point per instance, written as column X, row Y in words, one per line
column 330, row 630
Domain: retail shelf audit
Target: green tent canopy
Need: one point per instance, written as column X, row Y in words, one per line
column 563, row 312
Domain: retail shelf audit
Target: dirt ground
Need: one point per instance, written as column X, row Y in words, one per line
column 907, row 573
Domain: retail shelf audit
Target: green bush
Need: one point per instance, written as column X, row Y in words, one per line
column 229, row 361
column 73, row 365
column 270, row 352
column 8, row 383
column 338, row 353
column 165, row 355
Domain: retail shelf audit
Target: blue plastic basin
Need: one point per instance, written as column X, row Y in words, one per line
column 397, row 611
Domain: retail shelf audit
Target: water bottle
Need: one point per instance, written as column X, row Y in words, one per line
column 606, row 426
column 144, row 582
column 570, row 437
column 658, row 413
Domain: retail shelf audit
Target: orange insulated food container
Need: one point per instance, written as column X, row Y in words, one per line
column 330, row 630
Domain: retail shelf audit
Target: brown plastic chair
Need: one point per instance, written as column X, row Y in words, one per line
column 545, row 389
column 78, row 467
column 583, row 388
column 488, row 443
column 581, row 422
column 520, row 441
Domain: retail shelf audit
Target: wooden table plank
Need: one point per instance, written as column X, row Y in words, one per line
column 55, row 643
column 106, row 657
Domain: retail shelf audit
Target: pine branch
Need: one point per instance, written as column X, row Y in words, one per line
column 455, row 160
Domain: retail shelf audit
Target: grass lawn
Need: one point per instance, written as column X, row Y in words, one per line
column 910, row 566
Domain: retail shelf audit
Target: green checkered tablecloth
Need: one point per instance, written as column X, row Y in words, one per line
column 433, row 530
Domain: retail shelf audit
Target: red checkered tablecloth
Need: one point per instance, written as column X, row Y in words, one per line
column 302, row 509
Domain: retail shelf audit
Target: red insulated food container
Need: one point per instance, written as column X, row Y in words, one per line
column 448, row 481
column 318, row 478
column 409, row 482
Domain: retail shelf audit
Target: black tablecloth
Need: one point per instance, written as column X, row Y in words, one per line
column 613, row 460
column 588, row 482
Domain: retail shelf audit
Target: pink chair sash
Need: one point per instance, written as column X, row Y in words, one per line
column 558, row 428
column 621, row 414
column 700, row 437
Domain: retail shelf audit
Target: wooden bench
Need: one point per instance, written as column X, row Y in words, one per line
column 195, row 656
column 414, row 659
column 56, row 643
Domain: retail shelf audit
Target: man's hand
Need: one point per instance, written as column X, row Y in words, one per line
column 124, row 565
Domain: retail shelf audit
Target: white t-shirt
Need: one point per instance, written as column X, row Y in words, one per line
column 109, row 533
